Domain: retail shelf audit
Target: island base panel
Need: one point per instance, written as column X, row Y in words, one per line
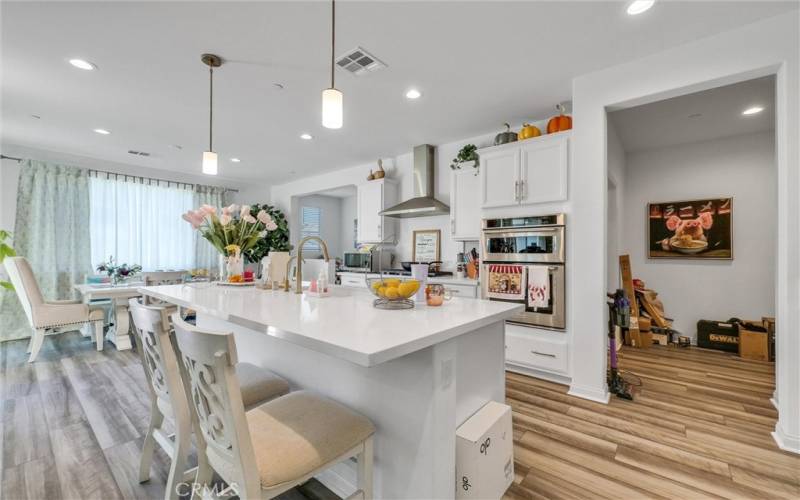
column 416, row 402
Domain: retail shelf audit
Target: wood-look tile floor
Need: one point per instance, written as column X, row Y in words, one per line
column 699, row 427
column 73, row 423
column 72, row 427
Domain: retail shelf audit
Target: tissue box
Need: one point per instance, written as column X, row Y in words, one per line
column 485, row 453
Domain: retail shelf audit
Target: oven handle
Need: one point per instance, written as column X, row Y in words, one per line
column 548, row 229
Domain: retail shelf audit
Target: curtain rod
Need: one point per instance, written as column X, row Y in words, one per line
column 149, row 179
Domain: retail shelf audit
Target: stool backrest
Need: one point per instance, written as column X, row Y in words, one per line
column 25, row 284
column 160, row 361
column 208, row 364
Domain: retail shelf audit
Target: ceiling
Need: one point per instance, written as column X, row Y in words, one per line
column 478, row 64
column 702, row 116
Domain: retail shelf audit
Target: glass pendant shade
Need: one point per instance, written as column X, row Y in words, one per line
column 209, row 163
column 332, row 108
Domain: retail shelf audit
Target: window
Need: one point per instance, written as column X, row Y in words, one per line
column 309, row 226
column 140, row 223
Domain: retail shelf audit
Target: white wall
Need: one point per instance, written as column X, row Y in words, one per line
column 330, row 221
column 766, row 47
column 347, row 237
column 742, row 167
column 616, row 206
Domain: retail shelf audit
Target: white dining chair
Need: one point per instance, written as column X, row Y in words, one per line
column 49, row 317
column 157, row 278
column 168, row 404
column 274, row 447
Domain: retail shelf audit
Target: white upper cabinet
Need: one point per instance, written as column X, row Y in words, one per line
column 525, row 172
column 373, row 197
column 499, row 177
column 543, row 169
column 465, row 211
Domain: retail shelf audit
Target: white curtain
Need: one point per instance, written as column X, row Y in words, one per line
column 206, row 256
column 139, row 222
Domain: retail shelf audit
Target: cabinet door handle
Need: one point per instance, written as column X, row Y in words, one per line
column 516, row 190
column 452, row 226
column 543, row 354
column 523, row 189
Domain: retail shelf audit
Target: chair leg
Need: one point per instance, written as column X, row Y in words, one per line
column 204, row 475
column 36, row 343
column 30, row 342
column 98, row 334
column 178, row 468
column 148, row 448
column 365, row 470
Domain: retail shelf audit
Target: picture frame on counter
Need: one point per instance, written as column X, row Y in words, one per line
column 426, row 245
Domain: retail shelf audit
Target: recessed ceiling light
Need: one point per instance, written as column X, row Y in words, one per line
column 82, row 64
column 753, row 110
column 306, row 137
column 639, row 6
column 102, row 131
column 413, row 94
column 235, row 160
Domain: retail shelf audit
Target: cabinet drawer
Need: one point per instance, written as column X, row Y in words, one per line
column 355, row 281
column 463, row 291
column 542, row 354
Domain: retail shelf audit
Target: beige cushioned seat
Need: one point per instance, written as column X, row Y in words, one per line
column 297, row 433
column 258, row 384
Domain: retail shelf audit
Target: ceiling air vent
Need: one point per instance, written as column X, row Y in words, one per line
column 359, row 62
column 138, row 153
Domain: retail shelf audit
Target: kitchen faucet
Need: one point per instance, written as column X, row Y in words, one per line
column 299, row 257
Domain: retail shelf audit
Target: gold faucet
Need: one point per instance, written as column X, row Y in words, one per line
column 286, row 284
column 299, row 286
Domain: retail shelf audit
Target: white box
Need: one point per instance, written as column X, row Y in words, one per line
column 485, row 453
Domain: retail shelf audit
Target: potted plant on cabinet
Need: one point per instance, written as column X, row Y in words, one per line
column 467, row 157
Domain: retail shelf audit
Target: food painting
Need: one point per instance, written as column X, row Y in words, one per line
column 698, row 229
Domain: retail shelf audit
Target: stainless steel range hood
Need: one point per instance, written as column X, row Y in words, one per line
column 423, row 204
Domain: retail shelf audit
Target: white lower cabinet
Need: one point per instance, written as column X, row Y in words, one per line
column 537, row 349
column 353, row 280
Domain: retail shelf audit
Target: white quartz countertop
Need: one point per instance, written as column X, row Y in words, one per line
column 343, row 325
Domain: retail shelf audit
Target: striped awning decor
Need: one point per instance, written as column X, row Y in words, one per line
column 504, row 268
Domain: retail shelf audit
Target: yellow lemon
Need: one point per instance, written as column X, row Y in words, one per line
column 392, row 293
column 382, row 291
column 376, row 284
column 408, row 288
column 392, row 282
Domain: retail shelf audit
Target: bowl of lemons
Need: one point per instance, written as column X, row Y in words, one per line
column 393, row 293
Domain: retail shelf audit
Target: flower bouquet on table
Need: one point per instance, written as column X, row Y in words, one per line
column 118, row 272
column 233, row 231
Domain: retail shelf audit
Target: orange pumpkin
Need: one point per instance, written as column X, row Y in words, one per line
column 559, row 123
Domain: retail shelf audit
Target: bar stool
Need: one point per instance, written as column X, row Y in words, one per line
column 274, row 447
column 168, row 395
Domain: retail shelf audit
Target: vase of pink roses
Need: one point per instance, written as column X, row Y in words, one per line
column 232, row 230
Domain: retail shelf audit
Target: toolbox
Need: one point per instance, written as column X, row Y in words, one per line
column 720, row 335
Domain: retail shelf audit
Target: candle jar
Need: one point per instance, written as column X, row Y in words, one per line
column 436, row 294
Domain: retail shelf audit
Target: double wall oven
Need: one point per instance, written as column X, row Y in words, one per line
column 523, row 261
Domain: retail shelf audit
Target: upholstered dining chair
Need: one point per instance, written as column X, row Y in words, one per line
column 168, row 396
column 49, row 317
column 269, row 449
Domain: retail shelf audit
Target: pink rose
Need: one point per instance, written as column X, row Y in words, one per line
column 225, row 219
column 208, row 209
column 249, row 219
column 245, row 211
column 264, row 217
column 194, row 217
column 271, row 226
column 230, row 209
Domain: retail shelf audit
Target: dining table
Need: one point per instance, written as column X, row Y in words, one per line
column 119, row 295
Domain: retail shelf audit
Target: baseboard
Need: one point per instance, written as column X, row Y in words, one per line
column 590, row 393
column 785, row 441
column 549, row 376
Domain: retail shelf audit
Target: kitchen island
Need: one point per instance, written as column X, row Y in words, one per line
column 417, row 374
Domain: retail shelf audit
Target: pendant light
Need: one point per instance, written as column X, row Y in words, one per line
column 332, row 99
column 210, row 157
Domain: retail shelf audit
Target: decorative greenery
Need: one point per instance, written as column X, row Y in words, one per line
column 276, row 240
column 466, row 154
column 120, row 272
column 5, row 251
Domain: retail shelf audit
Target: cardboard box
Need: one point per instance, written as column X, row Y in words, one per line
column 753, row 341
column 485, row 453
